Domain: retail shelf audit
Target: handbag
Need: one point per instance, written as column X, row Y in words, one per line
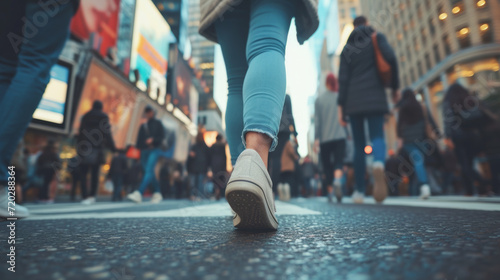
column 383, row 67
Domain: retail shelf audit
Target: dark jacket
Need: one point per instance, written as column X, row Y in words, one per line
column 96, row 130
column 47, row 161
column 361, row 90
column 199, row 163
column 218, row 157
column 409, row 133
column 152, row 128
column 287, row 117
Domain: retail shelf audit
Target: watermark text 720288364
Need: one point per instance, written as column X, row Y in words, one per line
column 11, row 208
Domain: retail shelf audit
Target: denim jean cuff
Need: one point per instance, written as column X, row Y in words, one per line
column 264, row 130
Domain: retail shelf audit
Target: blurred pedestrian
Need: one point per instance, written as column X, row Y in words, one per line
column 309, row 173
column 253, row 35
column 463, row 117
column 117, row 172
column 288, row 158
column 286, row 128
column 149, row 140
column 394, row 177
column 94, row 135
column 450, row 169
column 362, row 97
column 47, row 164
column 198, row 166
column 134, row 175
column 411, row 131
column 25, row 63
column 218, row 162
column 330, row 138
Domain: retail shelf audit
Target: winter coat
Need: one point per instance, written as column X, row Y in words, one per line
column 306, row 17
column 361, row 90
column 152, row 128
column 218, row 157
column 95, row 130
column 199, row 163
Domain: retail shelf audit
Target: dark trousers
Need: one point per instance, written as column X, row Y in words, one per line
column 117, row 186
column 332, row 158
column 48, row 175
column 275, row 159
column 495, row 173
column 94, row 177
column 466, row 150
column 83, row 191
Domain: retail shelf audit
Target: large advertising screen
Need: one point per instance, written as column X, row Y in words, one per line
column 117, row 96
column 98, row 17
column 150, row 45
column 182, row 90
column 52, row 111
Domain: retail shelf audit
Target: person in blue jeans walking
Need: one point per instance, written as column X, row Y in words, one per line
column 252, row 35
column 33, row 34
column 149, row 140
column 411, row 130
column 362, row 97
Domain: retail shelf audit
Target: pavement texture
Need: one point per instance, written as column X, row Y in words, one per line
column 315, row 240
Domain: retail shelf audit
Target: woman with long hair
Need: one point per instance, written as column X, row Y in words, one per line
column 253, row 35
column 411, row 130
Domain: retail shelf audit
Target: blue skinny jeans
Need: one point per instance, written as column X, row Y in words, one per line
column 253, row 38
column 418, row 160
column 149, row 159
column 376, row 133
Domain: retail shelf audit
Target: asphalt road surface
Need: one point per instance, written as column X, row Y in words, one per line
column 448, row 238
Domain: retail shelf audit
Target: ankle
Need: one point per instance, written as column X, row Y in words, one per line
column 259, row 142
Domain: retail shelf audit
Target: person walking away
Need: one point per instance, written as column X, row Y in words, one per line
column 286, row 128
column 463, row 117
column 198, row 166
column 362, row 97
column 117, row 172
column 252, row 35
column 218, row 166
column 288, row 158
column 330, row 138
column 309, row 172
column 150, row 137
column 94, row 135
column 411, row 130
column 47, row 164
column 26, row 58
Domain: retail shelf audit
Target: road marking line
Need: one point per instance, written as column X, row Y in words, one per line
column 210, row 210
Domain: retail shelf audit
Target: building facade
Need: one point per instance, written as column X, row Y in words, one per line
column 441, row 42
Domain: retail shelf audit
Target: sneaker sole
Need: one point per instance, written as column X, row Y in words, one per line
column 380, row 187
column 248, row 201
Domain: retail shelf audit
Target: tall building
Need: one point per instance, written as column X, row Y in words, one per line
column 202, row 50
column 348, row 10
column 440, row 42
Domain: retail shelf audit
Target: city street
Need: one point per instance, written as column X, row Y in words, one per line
column 443, row 238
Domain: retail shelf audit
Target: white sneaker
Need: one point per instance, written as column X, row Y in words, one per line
column 135, row 197
column 157, row 198
column 358, row 197
column 380, row 186
column 425, row 191
column 250, row 195
column 18, row 212
column 88, row 201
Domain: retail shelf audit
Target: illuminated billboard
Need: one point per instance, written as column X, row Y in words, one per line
column 150, row 44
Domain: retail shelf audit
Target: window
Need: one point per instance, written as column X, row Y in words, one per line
column 437, row 56
column 432, row 28
column 463, row 35
column 485, row 32
column 412, row 76
column 447, row 45
column 424, row 37
column 416, row 44
column 420, row 71
column 458, row 8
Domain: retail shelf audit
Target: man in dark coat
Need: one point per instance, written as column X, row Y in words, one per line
column 93, row 137
column 149, row 141
column 218, row 165
column 362, row 97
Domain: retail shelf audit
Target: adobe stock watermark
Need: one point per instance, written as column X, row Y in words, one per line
column 31, row 26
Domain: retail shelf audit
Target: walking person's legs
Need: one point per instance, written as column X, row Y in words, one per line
column 84, row 170
column 339, row 147
column 376, row 131
column 418, row 160
column 94, row 179
column 358, row 134
column 263, row 95
column 326, row 151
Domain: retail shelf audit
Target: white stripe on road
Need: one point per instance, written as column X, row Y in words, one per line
column 210, row 210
